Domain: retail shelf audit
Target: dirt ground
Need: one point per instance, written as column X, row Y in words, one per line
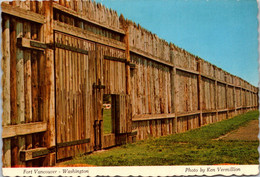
column 249, row 132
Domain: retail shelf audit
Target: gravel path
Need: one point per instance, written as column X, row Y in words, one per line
column 249, row 132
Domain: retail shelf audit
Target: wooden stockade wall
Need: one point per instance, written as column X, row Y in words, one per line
column 59, row 58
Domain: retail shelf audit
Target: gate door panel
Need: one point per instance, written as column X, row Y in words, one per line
column 75, row 75
column 114, row 78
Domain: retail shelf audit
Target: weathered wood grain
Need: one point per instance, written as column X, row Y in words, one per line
column 23, row 129
column 20, row 89
column 6, row 94
column 49, row 106
column 22, row 13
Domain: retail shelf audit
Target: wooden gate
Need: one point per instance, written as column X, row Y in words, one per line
column 76, row 99
column 113, row 71
column 85, row 70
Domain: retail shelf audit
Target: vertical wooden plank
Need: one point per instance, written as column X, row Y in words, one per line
column 65, row 60
column 87, row 97
column 81, row 91
column 200, row 92
column 139, row 98
column 35, row 86
column 20, row 89
column 69, row 98
column 28, row 86
column 173, row 92
column 6, row 116
column 156, row 88
column 99, row 93
column 145, row 87
column 93, row 80
column 149, row 109
column 13, row 85
column 83, row 97
column 75, row 99
column 33, row 6
column 216, row 98
column 49, row 81
column 160, row 88
column 57, row 91
column 152, row 89
column 226, row 97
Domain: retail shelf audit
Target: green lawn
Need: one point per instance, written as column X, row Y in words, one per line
column 195, row 147
column 107, row 121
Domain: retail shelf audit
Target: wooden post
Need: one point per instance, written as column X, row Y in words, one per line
column 226, row 95
column 6, row 116
column 49, row 99
column 13, row 85
column 257, row 98
column 173, row 93
column 216, row 99
column 235, row 99
column 128, row 102
column 241, row 100
column 200, row 93
column 99, row 93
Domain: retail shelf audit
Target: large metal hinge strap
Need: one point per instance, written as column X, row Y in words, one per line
column 71, row 48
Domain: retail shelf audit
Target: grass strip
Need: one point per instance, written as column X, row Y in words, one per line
column 195, row 147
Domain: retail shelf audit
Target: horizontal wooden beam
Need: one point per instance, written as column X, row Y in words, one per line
column 115, row 59
column 142, row 117
column 224, row 82
column 187, row 70
column 27, row 155
column 123, row 60
column 23, row 129
column 84, row 34
column 21, row 13
column 183, row 114
column 150, row 57
column 31, row 44
column 73, row 143
column 133, row 133
column 82, row 17
column 209, row 111
column 222, row 110
column 208, row 77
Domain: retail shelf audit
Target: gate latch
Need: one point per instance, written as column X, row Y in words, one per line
column 98, row 86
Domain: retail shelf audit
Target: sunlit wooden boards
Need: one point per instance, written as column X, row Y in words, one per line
column 18, row 76
column 75, row 73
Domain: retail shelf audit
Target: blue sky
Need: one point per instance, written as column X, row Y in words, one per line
column 223, row 32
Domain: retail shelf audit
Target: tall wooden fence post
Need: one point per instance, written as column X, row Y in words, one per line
column 49, row 82
column 173, row 93
column 216, row 99
column 6, row 116
column 128, row 79
column 235, row 99
column 226, row 96
column 200, row 93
